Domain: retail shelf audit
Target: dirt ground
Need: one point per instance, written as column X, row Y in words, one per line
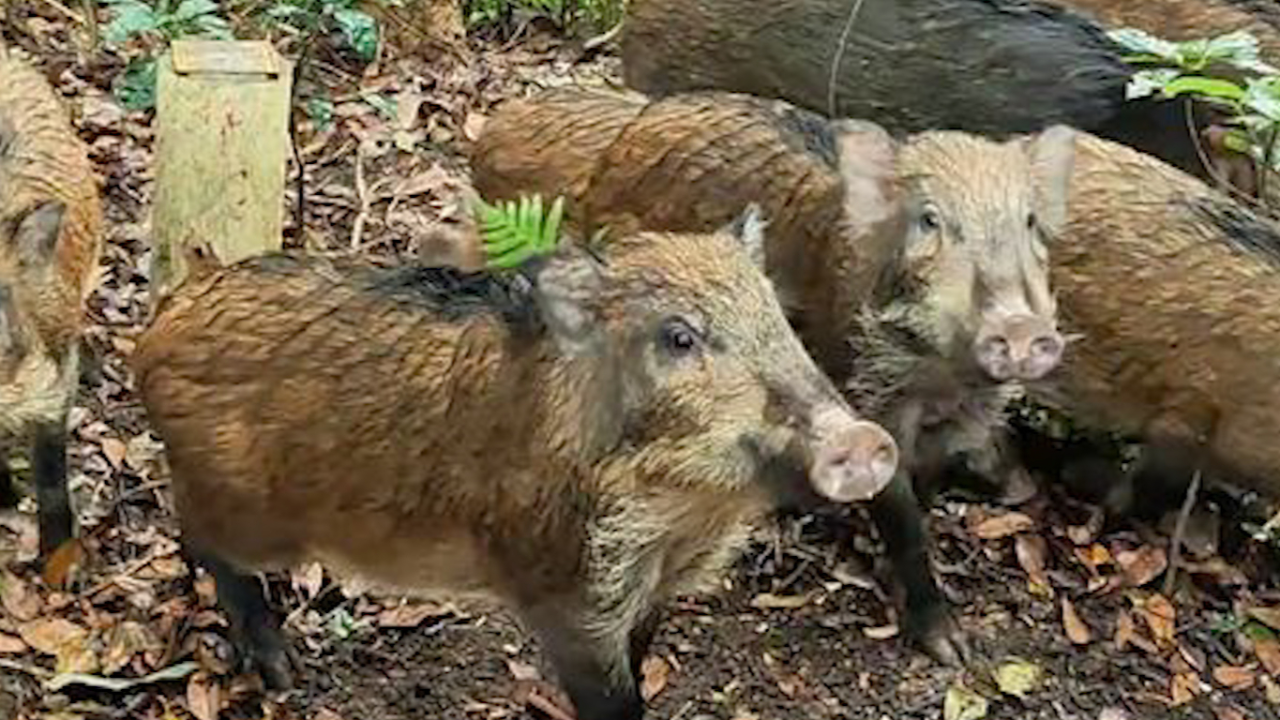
column 804, row 629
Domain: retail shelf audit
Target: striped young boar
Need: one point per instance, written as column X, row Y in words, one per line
column 993, row 67
column 1176, row 290
column 916, row 272
column 581, row 447
column 50, row 236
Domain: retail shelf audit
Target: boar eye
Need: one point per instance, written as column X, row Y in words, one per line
column 1031, row 221
column 677, row 337
column 929, row 219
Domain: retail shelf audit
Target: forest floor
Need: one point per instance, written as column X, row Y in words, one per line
column 1070, row 620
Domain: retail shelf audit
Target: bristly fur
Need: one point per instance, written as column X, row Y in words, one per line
column 1238, row 226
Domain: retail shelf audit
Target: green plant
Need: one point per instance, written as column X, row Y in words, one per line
column 600, row 14
column 1225, row 71
column 514, row 231
column 358, row 29
column 162, row 21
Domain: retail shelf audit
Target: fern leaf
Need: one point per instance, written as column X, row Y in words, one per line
column 514, row 231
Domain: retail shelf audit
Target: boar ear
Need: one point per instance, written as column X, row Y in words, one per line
column 35, row 232
column 567, row 286
column 748, row 227
column 1053, row 153
column 867, row 157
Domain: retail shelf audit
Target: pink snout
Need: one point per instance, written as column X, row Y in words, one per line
column 853, row 459
column 1019, row 347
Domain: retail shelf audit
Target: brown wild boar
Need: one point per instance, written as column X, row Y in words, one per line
column 582, row 447
column 915, row 271
column 1189, row 19
column 1175, row 289
column 994, row 67
column 50, row 236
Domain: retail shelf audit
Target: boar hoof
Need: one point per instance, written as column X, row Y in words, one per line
column 267, row 653
column 940, row 636
column 1018, row 488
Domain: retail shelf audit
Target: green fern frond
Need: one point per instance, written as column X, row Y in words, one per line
column 514, row 231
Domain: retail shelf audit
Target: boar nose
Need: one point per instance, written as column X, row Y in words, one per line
column 854, row 459
column 1019, row 347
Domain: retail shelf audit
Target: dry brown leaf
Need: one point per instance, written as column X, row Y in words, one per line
column 1183, row 688
column 1235, row 677
column 327, row 714
column 769, row 601
column 881, row 633
column 170, row 567
column 1094, row 556
column 204, row 697
column 309, row 578
column 18, row 599
column 123, row 642
column 473, row 125
column 206, row 591
column 1268, row 652
column 1143, row 565
column 115, row 451
column 1229, row 713
column 1271, row 689
column 1269, row 616
column 1077, row 631
column 10, row 645
column 57, row 569
column 523, row 671
column 1160, row 616
column 654, row 672
column 1113, row 713
column 407, row 616
column 1004, row 525
column 1031, row 551
column 50, row 635
column 1125, row 630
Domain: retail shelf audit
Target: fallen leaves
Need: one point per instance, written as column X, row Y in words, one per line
column 205, row 698
column 769, row 601
column 1004, row 525
column 1235, row 677
column 1077, row 631
column 17, row 598
column 1018, row 677
column 10, row 645
column 1183, row 688
column 961, row 703
column 1268, row 653
column 1031, row 551
column 1159, row 615
column 1143, row 565
column 65, row 640
column 654, row 673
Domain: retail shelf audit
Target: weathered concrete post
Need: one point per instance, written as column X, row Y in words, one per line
column 221, row 152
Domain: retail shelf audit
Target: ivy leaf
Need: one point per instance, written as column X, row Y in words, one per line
column 514, row 231
column 136, row 86
column 131, row 19
column 1147, row 82
column 361, row 31
column 320, row 110
column 1143, row 43
column 1209, row 88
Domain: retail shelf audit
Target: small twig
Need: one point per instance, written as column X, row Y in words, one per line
column 36, row 672
column 68, row 12
column 838, row 57
column 91, row 22
column 362, row 192
column 602, row 39
column 547, row 706
column 1175, row 552
column 1223, row 182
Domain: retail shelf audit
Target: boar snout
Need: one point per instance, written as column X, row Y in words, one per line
column 852, row 459
column 1019, row 347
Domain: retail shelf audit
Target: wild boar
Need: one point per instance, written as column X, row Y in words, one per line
column 994, row 67
column 1189, row 19
column 1175, row 289
column 50, row 238
column 581, row 447
column 915, row 272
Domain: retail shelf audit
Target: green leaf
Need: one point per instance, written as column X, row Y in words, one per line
column 361, row 32
column 1143, row 43
column 136, row 86
column 1209, row 88
column 1146, row 82
column 192, row 9
column 131, row 19
column 1018, row 677
column 514, row 231
column 320, row 110
column 1263, row 97
column 961, row 703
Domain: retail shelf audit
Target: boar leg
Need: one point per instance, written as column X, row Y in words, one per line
column 584, row 665
column 49, row 465
column 898, row 517
column 8, row 491
column 642, row 638
column 253, row 625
